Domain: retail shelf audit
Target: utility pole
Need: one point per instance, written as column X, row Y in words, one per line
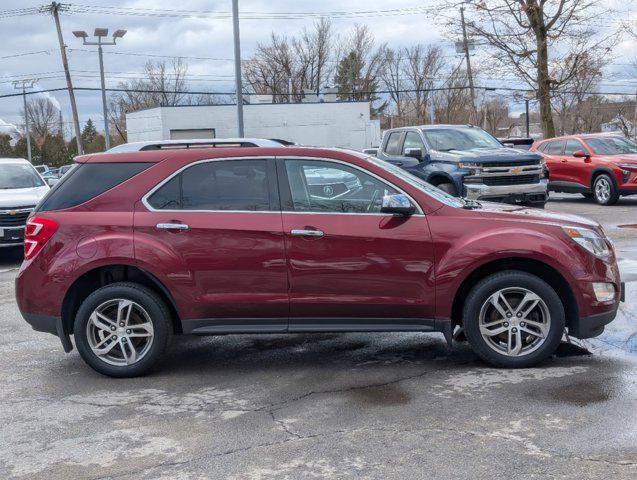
column 23, row 85
column 526, row 114
column 465, row 44
column 54, row 9
column 100, row 33
column 237, row 66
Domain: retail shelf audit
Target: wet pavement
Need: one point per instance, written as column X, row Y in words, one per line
column 313, row 406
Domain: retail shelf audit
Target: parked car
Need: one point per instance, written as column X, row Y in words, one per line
column 51, row 177
column 42, row 169
column 599, row 166
column 371, row 151
column 130, row 249
column 63, row 169
column 21, row 188
column 466, row 161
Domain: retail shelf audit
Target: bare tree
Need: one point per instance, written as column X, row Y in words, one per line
column 423, row 66
column 43, row 118
column 163, row 84
column 527, row 37
column 271, row 68
column 453, row 103
column 495, row 113
column 313, row 51
column 393, row 80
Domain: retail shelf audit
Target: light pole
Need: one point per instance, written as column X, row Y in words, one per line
column 237, row 66
column 23, row 85
column 102, row 33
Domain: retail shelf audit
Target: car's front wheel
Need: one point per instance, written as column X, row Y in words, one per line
column 122, row 329
column 513, row 319
column 604, row 190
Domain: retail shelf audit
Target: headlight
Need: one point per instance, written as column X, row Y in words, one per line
column 628, row 166
column 589, row 239
column 468, row 165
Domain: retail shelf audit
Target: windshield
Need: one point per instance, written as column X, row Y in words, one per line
column 419, row 183
column 14, row 175
column 611, row 145
column 462, row 138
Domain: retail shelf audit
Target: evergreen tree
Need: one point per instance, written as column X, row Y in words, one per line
column 88, row 133
column 54, row 151
column 6, row 150
column 20, row 150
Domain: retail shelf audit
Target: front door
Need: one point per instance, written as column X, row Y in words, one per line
column 350, row 266
column 213, row 234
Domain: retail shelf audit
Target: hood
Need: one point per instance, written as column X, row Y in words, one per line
column 534, row 215
column 623, row 158
column 22, row 197
column 479, row 155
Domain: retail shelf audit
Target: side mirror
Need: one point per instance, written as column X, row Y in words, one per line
column 580, row 154
column 416, row 153
column 397, row 204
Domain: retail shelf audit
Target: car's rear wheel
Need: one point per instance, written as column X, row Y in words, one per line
column 122, row 329
column 513, row 319
column 604, row 190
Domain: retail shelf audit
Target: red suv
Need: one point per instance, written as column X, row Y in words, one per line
column 129, row 249
column 598, row 166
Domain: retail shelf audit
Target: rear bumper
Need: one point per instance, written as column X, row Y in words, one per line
column 49, row 324
column 531, row 192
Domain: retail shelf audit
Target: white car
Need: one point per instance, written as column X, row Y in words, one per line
column 21, row 188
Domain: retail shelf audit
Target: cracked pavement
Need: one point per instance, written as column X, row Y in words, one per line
column 371, row 406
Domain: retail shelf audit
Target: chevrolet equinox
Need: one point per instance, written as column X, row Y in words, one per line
column 129, row 249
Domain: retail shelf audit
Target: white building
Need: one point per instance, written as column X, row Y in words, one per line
column 325, row 124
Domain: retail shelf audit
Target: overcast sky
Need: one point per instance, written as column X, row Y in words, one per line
column 153, row 34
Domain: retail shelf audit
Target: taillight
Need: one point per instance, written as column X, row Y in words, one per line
column 37, row 232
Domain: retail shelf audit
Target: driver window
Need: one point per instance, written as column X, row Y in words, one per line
column 323, row 186
column 413, row 140
column 572, row 146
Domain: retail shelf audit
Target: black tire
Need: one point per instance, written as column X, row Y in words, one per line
column 608, row 183
column 448, row 188
column 480, row 294
column 150, row 302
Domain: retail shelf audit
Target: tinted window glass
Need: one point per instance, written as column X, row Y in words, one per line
column 18, row 175
column 86, row 181
column 393, row 143
column 168, row 197
column 543, row 146
column 322, row 186
column 412, row 140
column 459, row 138
column 217, row 185
column 571, row 146
column 555, row 148
column 612, row 145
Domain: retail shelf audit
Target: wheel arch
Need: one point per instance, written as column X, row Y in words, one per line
column 104, row 275
column 535, row 267
column 600, row 171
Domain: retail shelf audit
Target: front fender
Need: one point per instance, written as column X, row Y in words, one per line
column 457, row 260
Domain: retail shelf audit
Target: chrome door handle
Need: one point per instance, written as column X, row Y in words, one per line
column 172, row 226
column 307, row 233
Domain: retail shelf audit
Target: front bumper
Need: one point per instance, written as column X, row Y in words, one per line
column 531, row 192
column 593, row 325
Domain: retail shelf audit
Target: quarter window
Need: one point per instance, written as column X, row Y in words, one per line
column 555, row 148
column 393, row 143
column 322, row 186
column 216, row 185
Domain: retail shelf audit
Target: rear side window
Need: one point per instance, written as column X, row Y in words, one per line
column 572, row 146
column 86, row 181
column 393, row 143
column 217, row 185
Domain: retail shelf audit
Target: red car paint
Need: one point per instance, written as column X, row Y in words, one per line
column 247, row 265
column 576, row 174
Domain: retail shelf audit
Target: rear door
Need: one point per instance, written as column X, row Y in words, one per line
column 392, row 148
column 350, row 266
column 213, row 231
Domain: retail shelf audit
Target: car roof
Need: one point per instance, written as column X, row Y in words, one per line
column 147, row 145
column 14, row 160
column 584, row 136
column 155, row 156
column 432, row 127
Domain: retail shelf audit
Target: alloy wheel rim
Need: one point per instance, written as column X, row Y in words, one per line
column 602, row 189
column 120, row 332
column 514, row 321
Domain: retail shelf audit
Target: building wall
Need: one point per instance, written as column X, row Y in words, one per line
column 319, row 124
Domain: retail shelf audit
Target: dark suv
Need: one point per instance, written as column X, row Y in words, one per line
column 129, row 249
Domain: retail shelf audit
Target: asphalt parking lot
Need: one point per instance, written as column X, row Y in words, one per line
column 323, row 406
